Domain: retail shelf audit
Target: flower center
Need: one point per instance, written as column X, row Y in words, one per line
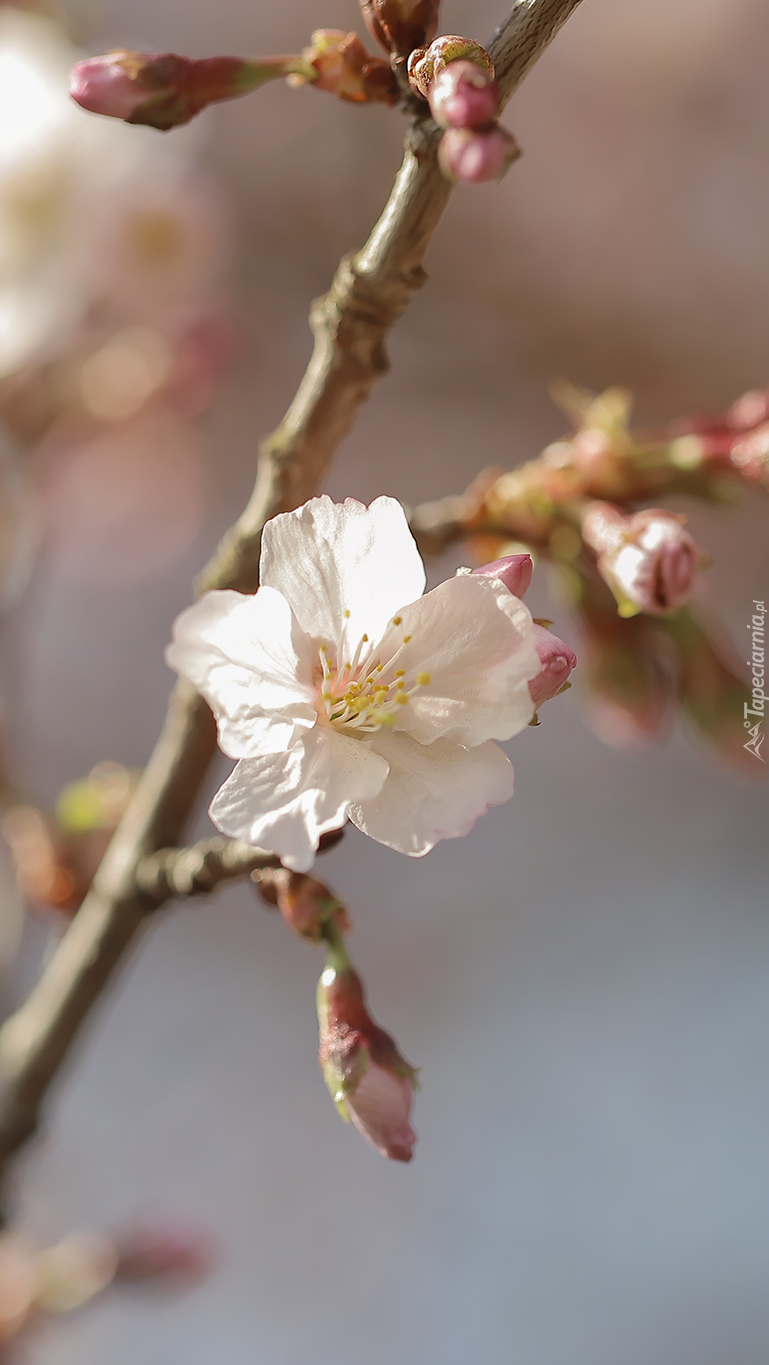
column 362, row 694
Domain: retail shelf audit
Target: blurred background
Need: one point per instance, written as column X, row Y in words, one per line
column 582, row 979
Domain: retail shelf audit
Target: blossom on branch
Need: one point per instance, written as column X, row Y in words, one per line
column 345, row 693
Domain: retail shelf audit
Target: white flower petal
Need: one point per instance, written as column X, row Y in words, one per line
column 435, row 791
column 329, row 558
column 477, row 643
column 247, row 656
column 284, row 802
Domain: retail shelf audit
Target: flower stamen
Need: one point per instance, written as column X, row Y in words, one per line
column 355, row 697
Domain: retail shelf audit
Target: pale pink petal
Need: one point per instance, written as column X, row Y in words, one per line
column 380, row 1107
column 285, row 802
column 247, row 656
column 477, row 644
column 329, row 558
column 432, row 792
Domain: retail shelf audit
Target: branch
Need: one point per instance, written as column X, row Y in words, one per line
column 199, row 870
column 351, row 324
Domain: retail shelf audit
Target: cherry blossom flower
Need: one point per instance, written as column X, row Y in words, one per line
column 346, row 693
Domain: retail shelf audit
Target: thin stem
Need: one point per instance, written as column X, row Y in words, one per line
column 351, row 323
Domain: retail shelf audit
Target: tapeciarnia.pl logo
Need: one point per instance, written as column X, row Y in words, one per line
column 755, row 712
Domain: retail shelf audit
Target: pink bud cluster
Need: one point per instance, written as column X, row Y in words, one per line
column 457, row 79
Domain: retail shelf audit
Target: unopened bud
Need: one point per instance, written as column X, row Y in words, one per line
column 514, row 571
column 648, row 560
column 307, row 906
column 475, row 157
column 401, row 25
column 168, row 1250
column 426, row 64
column 165, row 90
column 464, row 95
column 557, row 661
column 339, row 63
column 369, row 1081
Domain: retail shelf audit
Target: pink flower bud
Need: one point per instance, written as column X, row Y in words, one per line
column 464, row 96
column 165, row 90
column 557, row 660
column 648, row 560
column 474, row 157
column 369, row 1080
column 514, row 571
column 167, row 1250
column 306, row 905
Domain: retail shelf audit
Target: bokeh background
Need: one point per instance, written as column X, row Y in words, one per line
column 582, row 979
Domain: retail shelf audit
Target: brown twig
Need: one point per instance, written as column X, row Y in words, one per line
column 351, row 324
column 199, row 870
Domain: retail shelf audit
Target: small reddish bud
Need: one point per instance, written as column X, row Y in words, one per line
column 514, row 571
column 165, row 90
column 167, row 1250
column 475, row 157
column 557, row 660
column 463, row 95
column 306, row 905
column 648, row 560
column 401, row 25
column 339, row 63
column 369, row 1081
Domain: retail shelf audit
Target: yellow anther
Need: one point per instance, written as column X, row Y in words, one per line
column 406, row 639
column 402, row 698
column 400, row 672
column 397, row 620
column 365, row 639
column 423, row 679
column 400, row 685
column 347, row 613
